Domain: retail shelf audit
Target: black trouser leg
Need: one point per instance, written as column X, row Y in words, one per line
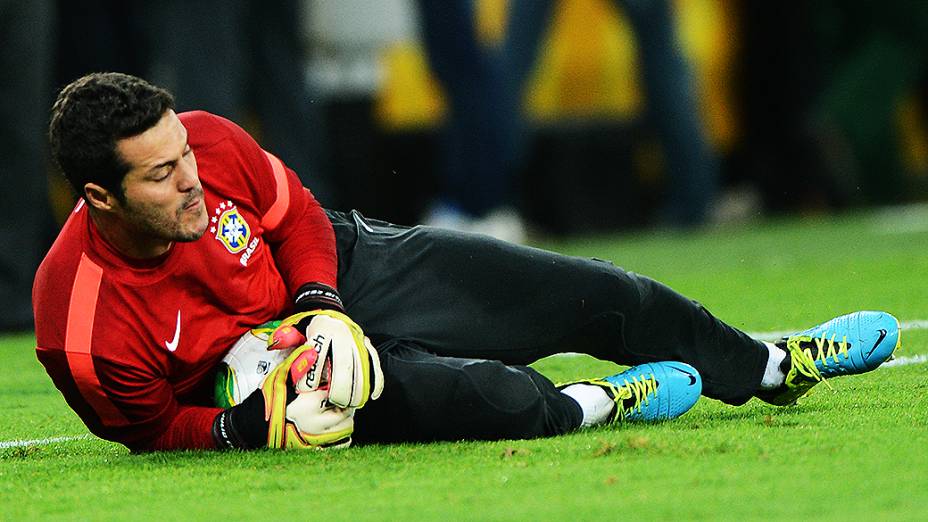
column 470, row 296
column 428, row 397
column 669, row 326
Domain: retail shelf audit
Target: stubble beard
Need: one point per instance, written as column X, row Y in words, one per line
column 154, row 222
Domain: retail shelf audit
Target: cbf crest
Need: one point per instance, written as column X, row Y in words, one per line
column 230, row 228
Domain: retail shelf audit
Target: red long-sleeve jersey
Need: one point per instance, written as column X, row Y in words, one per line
column 132, row 345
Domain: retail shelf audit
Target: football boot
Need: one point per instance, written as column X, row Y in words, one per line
column 846, row 345
column 650, row 392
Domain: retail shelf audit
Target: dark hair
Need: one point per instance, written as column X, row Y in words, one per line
column 90, row 115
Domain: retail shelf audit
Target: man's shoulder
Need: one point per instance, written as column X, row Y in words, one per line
column 202, row 119
column 65, row 252
column 205, row 129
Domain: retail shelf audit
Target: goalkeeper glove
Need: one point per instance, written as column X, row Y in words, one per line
column 277, row 415
column 348, row 364
column 352, row 365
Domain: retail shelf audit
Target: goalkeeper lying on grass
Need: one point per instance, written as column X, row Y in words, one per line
column 188, row 235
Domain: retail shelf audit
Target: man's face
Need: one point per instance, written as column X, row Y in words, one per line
column 163, row 195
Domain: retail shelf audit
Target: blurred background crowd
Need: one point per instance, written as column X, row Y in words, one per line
column 499, row 116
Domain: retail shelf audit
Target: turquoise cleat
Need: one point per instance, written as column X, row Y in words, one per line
column 846, row 345
column 651, row 392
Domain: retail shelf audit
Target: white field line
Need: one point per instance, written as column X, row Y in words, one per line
column 905, row 360
column 918, row 324
column 41, row 442
column 767, row 336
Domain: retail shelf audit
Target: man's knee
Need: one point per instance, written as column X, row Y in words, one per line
column 497, row 401
column 427, row 397
column 513, row 402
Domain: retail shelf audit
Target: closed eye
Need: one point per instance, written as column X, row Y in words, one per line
column 163, row 173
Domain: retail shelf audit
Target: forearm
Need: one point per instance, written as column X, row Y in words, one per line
column 190, row 428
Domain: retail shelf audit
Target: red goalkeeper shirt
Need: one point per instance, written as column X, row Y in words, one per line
column 132, row 345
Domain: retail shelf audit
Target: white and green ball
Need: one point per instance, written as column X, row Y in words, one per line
column 246, row 365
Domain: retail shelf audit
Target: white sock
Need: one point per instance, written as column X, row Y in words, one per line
column 773, row 375
column 593, row 400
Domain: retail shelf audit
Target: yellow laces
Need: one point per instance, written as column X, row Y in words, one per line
column 824, row 353
column 804, row 362
column 640, row 389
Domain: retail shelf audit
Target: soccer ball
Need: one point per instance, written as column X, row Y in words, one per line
column 246, row 365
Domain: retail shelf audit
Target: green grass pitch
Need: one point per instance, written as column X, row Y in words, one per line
column 859, row 452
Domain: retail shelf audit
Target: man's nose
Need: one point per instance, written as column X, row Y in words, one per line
column 187, row 176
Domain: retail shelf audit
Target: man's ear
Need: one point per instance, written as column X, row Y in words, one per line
column 99, row 198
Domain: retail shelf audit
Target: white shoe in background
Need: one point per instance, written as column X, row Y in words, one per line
column 446, row 216
column 502, row 223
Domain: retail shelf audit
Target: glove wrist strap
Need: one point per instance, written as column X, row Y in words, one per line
column 318, row 296
column 223, row 434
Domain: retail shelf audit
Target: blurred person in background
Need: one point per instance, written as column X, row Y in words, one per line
column 670, row 97
column 478, row 147
column 27, row 30
column 484, row 136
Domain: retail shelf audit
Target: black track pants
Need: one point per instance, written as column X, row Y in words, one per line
column 456, row 317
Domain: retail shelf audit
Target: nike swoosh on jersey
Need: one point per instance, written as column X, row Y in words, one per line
column 878, row 341
column 172, row 344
